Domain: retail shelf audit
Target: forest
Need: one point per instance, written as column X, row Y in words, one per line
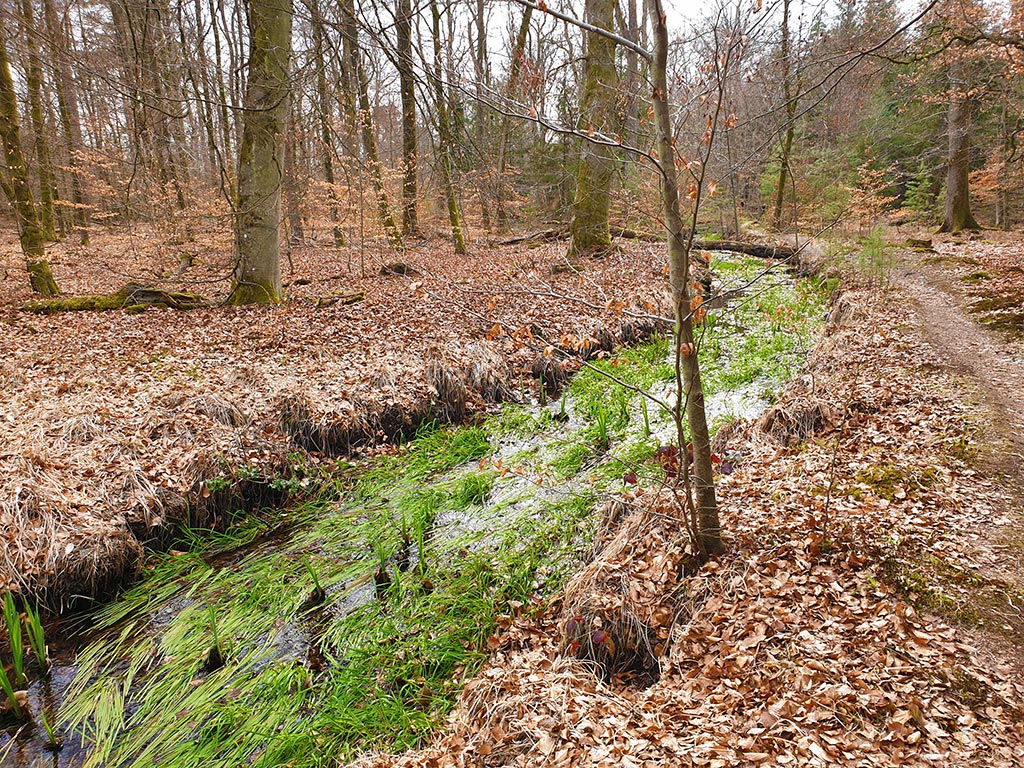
column 511, row 383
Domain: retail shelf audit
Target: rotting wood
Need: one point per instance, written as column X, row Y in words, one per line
column 399, row 268
column 758, row 250
column 130, row 296
column 339, row 298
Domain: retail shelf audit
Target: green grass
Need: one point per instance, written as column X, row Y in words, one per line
column 15, row 638
column 352, row 621
column 764, row 334
column 391, row 658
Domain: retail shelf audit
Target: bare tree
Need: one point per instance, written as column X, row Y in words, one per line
column 257, row 274
column 590, row 230
column 16, row 184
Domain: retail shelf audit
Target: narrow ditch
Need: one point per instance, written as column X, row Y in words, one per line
column 352, row 622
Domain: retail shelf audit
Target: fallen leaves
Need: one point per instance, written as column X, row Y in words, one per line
column 114, row 423
column 795, row 648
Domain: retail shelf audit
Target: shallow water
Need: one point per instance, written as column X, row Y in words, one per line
column 345, row 558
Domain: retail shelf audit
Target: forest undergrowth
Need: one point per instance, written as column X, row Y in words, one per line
column 841, row 626
column 121, row 428
column 353, row 622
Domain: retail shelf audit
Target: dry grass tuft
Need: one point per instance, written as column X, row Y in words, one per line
column 795, row 420
column 487, row 374
column 220, row 410
column 449, row 389
column 599, row 339
column 95, row 565
column 551, row 373
column 617, row 610
column 635, row 330
column 81, row 429
column 845, row 309
column 332, row 433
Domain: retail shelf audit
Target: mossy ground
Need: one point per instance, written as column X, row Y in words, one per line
column 356, row 624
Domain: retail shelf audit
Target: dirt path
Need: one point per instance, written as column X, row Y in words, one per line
column 991, row 369
column 993, row 366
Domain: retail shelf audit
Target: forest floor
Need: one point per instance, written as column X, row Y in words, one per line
column 116, row 427
column 867, row 611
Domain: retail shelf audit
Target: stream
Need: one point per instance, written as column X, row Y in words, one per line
column 352, row 620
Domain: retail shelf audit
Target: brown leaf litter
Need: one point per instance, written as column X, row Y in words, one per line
column 797, row 647
column 116, row 427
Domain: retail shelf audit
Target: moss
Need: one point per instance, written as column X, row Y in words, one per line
column 99, row 303
column 130, row 298
column 887, row 480
column 255, row 293
column 41, row 278
column 975, row 277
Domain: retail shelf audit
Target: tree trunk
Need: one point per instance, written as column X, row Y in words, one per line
column 688, row 380
column 17, row 188
column 958, row 214
column 482, row 72
column 257, row 277
column 226, row 155
column 360, row 83
column 34, row 86
column 444, row 138
column 407, row 90
column 324, row 112
column 511, row 91
column 785, row 53
column 631, row 128
column 70, row 117
column 292, row 187
column 591, row 202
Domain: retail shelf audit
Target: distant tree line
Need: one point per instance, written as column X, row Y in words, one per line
column 310, row 121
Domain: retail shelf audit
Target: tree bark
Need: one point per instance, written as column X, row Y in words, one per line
column 292, row 188
column 361, row 85
column 227, row 171
column 592, row 200
column 958, row 214
column 444, row 138
column 482, row 72
column 257, row 276
column 407, row 91
column 34, row 86
column 511, row 91
column 324, row 112
column 70, row 116
column 17, row 187
column 708, row 528
column 785, row 53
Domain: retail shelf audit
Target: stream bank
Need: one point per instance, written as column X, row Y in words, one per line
column 353, row 621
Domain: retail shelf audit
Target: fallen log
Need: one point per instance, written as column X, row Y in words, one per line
column 131, row 297
column 758, row 250
column 339, row 298
column 546, row 236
